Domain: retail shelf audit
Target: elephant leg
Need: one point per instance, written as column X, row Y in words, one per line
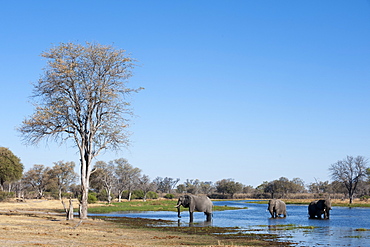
column 209, row 216
column 191, row 217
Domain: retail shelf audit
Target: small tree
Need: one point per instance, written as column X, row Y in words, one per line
column 349, row 171
column 165, row 185
column 145, row 185
column 127, row 177
column 229, row 186
column 82, row 96
column 11, row 168
column 103, row 174
column 206, row 187
column 192, row 186
column 38, row 177
column 64, row 174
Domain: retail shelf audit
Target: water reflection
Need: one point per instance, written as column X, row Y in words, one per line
column 342, row 229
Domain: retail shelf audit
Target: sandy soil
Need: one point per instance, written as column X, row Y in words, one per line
column 35, row 223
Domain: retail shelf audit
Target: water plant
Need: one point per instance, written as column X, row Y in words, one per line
column 362, row 229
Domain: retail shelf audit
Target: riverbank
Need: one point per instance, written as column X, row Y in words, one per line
column 40, row 223
column 334, row 202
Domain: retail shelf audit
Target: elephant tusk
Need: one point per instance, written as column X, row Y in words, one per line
column 177, row 206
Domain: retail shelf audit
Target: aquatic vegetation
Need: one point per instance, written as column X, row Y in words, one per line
column 353, row 236
column 289, row 227
column 362, row 229
column 226, row 235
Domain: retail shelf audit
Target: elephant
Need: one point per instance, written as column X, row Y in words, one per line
column 195, row 203
column 317, row 208
column 277, row 207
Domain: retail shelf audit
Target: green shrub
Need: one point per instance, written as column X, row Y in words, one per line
column 137, row 194
column 364, row 198
column 92, row 198
column 103, row 196
column 151, row 195
column 169, row 196
column 6, row 195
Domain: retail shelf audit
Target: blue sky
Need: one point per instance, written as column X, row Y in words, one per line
column 249, row 90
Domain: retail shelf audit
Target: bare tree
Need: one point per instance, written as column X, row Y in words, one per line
column 104, row 175
column 145, row 185
column 65, row 175
column 128, row 177
column 192, row 186
column 165, row 185
column 38, row 177
column 349, row 171
column 82, row 96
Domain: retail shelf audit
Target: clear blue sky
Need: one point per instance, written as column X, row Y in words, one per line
column 249, row 90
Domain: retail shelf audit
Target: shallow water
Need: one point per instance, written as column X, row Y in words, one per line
column 339, row 230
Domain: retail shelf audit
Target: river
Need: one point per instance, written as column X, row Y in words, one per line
column 344, row 228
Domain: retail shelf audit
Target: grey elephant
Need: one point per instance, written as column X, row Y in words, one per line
column 277, row 207
column 317, row 208
column 195, row 203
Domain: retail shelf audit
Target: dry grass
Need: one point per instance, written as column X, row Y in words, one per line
column 36, row 223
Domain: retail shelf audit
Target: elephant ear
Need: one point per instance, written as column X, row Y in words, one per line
column 186, row 201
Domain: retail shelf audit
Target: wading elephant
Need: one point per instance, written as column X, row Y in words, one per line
column 317, row 208
column 277, row 207
column 195, row 203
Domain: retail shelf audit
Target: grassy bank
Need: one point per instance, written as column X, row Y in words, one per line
column 150, row 205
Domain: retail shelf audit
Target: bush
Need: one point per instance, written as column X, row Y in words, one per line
column 364, row 198
column 6, row 195
column 92, row 198
column 137, row 194
column 50, row 195
column 169, row 196
column 151, row 195
column 102, row 196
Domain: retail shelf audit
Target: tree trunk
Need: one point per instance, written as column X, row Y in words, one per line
column 85, row 178
column 108, row 196
column 144, row 198
column 129, row 196
column 70, row 211
column 119, row 196
column 84, row 203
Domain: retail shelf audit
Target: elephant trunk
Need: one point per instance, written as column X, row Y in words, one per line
column 178, row 209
